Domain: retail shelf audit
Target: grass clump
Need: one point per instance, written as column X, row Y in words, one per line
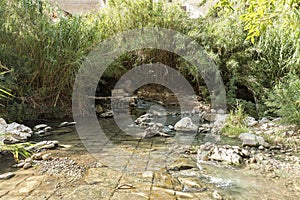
column 18, row 150
column 235, row 123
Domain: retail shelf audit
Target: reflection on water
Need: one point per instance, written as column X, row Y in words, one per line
column 121, row 151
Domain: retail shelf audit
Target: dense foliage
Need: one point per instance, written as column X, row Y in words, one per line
column 255, row 44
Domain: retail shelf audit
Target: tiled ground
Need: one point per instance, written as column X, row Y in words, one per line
column 134, row 169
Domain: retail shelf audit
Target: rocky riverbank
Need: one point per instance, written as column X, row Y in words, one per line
column 160, row 164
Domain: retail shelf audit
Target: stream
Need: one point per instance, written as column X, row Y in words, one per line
column 129, row 155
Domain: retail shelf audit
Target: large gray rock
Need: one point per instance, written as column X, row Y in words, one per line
column 250, row 121
column 44, row 145
column 144, row 118
column 218, row 123
column 7, row 175
column 251, row 140
column 14, row 132
column 185, row 124
column 210, row 117
column 228, row 154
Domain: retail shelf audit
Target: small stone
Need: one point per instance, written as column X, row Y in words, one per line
column 19, row 165
column 221, row 111
column 47, row 146
column 7, row 175
column 37, row 156
column 264, row 120
column 171, row 127
column 271, row 124
column 48, row 128
column 252, row 160
column 276, row 120
column 99, row 109
column 259, row 157
column 245, row 153
column 269, row 132
column 3, row 122
column 185, row 124
column 40, row 132
column 251, row 121
column 261, row 147
column 266, row 145
column 107, row 114
column 47, row 157
column 28, row 160
column 148, row 174
column 216, row 195
column 250, row 139
column 39, row 127
column 27, row 165
column 71, row 123
column 264, row 127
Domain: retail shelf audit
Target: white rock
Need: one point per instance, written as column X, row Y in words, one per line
column 3, row 122
column 6, row 176
column 185, row 124
column 264, row 120
column 251, row 121
column 39, row 127
column 216, row 195
column 27, row 165
column 250, row 139
column 47, row 157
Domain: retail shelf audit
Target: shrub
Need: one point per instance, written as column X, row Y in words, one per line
column 284, row 99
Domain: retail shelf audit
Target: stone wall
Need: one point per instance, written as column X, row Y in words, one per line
column 84, row 6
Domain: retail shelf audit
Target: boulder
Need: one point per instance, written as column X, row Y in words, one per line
column 218, row 123
column 251, row 140
column 210, row 117
column 14, row 132
column 226, row 153
column 185, row 124
column 144, row 118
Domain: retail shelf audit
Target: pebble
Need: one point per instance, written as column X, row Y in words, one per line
column 39, row 127
column 47, row 156
column 148, row 174
column 6, row 176
column 27, row 165
column 245, row 152
column 28, row 160
column 19, row 165
column 261, row 147
column 37, row 156
column 216, row 195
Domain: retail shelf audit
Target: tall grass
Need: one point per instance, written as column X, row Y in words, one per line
column 46, row 55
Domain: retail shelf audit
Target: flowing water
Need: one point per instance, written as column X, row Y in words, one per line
column 234, row 183
column 123, row 152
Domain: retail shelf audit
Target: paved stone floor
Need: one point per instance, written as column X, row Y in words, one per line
column 132, row 169
column 78, row 6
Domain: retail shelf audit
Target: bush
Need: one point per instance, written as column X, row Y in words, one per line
column 252, row 50
column 284, row 99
